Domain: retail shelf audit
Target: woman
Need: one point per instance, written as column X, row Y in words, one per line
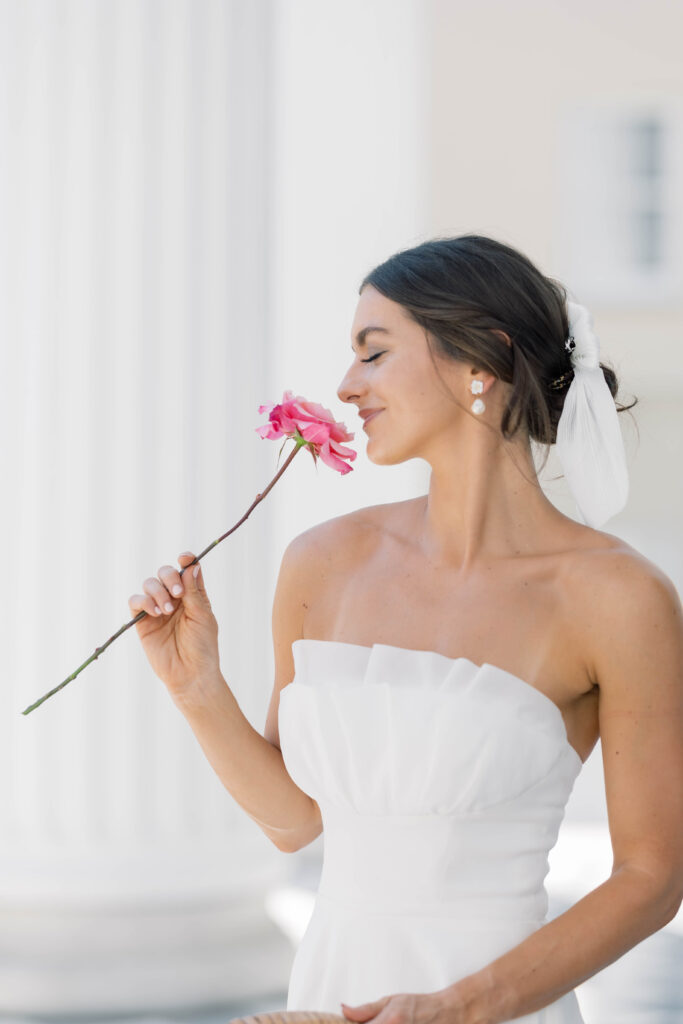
column 445, row 664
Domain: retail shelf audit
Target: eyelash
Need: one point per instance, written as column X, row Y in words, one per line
column 376, row 356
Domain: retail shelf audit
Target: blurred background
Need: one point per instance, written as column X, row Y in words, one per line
column 190, row 194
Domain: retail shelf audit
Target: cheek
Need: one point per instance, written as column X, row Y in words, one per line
column 409, row 389
column 418, row 393
column 403, row 384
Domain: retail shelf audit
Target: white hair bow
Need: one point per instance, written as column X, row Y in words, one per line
column 589, row 441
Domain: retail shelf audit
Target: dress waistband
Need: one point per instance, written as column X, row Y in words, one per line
column 433, row 864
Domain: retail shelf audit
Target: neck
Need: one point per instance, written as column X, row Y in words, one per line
column 484, row 503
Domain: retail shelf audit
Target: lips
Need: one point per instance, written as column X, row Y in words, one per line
column 371, row 417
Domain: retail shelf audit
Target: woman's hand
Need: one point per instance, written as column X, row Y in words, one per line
column 404, row 1008
column 179, row 634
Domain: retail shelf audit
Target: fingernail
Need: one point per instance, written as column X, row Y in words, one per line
column 168, row 606
column 195, row 571
column 177, row 589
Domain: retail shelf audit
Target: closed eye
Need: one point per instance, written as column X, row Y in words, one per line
column 376, row 356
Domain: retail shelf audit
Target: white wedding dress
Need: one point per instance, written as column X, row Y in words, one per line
column 442, row 785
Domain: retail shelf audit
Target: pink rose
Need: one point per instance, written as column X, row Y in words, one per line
column 314, row 424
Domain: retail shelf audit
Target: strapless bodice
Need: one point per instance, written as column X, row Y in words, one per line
column 442, row 785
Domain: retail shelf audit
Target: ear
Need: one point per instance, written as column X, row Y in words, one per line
column 503, row 336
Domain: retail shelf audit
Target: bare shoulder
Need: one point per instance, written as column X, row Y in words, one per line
column 622, row 602
column 341, row 540
column 612, row 569
column 321, row 561
column 318, row 560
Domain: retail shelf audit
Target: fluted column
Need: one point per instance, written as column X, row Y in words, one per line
column 133, row 261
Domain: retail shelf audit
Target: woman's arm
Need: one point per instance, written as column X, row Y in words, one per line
column 251, row 766
column 634, row 637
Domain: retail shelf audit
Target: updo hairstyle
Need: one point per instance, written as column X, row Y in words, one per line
column 463, row 289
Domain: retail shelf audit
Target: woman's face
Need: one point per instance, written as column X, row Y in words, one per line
column 401, row 380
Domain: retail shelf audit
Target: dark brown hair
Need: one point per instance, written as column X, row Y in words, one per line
column 463, row 289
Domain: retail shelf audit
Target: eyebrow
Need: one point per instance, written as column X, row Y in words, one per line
column 360, row 337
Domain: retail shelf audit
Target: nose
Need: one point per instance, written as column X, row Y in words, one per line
column 350, row 387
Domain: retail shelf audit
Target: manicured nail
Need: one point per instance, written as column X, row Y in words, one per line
column 168, row 606
column 177, row 589
column 195, row 571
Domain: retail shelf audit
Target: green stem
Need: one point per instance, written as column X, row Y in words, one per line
column 300, row 442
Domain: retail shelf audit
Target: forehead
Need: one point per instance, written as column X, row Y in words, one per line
column 376, row 310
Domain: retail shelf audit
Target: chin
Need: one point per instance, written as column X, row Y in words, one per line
column 391, row 458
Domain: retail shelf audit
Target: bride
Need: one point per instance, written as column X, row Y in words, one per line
column 444, row 665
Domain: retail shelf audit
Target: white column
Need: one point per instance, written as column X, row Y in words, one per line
column 133, row 275
column 351, row 134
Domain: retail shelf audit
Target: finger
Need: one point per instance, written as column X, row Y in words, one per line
column 143, row 603
column 195, row 584
column 170, row 577
column 158, row 592
column 365, row 1010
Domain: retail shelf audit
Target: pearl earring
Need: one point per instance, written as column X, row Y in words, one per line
column 476, row 387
